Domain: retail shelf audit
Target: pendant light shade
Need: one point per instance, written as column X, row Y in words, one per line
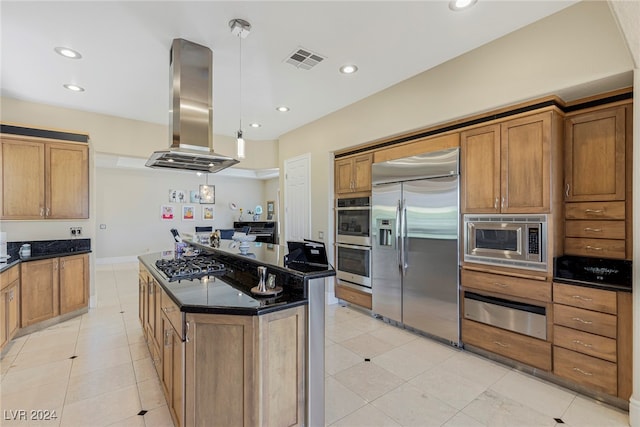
column 240, row 143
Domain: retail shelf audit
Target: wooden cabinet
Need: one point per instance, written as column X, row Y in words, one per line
column 539, row 290
column 363, row 299
column 595, row 155
column 173, row 360
column 74, row 283
column 9, row 304
column 245, row 370
column 597, row 182
column 40, row 290
column 143, row 308
column 353, row 174
column 53, row 286
column 153, row 327
column 43, row 179
column 509, row 167
column 592, row 345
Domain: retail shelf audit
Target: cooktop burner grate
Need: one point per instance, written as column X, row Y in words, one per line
column 190, row 268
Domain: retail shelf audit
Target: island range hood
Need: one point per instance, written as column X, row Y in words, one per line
column 191, row 123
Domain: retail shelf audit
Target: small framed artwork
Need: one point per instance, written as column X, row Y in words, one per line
column 188, row 213
column 271, row 207
column 194, row 196
column 177, row 196
column 207, row 213
column 166, row 212
column 207, row 194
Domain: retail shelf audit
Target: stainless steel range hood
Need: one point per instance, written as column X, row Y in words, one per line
column 191, row 123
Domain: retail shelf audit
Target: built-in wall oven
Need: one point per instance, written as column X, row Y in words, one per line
column 353, row 242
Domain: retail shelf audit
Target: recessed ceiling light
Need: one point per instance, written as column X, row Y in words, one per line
column 283, row 109
column 348, row 69
column 458, row 5
column 255, row 125
column 74, row 88
column 67, row 53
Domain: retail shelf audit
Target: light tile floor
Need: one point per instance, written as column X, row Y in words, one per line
column 95, row 370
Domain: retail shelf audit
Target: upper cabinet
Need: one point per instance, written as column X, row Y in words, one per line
column 43, row 179
column 595, row 156
column 353, row 174
column 507, row 167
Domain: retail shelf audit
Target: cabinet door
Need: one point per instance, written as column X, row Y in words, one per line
column 4, row 317
column 68, row 181
column 40, row 291
column 595, row 156
column 526, row 172
column 23, row 179
column 13, row 309
column 74, row 283
column 343, row 175
column 362, row 173
column 480, row 170
column 173, row 372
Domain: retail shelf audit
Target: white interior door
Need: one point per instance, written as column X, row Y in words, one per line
column 297, row 197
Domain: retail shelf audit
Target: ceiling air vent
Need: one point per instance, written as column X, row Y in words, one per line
column 304, row 58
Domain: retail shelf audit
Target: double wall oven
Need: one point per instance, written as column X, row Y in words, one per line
column 353, row 242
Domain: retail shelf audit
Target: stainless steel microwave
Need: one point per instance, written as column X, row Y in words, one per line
column 506, row 240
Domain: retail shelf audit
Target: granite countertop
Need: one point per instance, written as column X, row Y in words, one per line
column 45, row 249
column 228, row 294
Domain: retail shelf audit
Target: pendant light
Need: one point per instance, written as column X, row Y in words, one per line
column 240, row 28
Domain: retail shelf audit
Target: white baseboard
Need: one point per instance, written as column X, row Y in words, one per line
column 116, row 260
column 634, row 412
column 93, row 301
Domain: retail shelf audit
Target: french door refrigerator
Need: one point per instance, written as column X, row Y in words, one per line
column 415, row 234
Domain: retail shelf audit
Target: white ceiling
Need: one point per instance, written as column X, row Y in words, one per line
column 125, row 48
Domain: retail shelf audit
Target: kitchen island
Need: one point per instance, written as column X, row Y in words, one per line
column 228, row 357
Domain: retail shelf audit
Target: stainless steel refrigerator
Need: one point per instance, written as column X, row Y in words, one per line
column 415, row 234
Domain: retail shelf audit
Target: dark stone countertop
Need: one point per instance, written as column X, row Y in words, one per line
column 44, row 249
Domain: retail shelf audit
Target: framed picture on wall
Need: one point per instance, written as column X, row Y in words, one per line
column 177, row 196
column 271, row 207
column 207, row 194
column 188, row 213
column 207, row 213
column 166, row 212
column 194, row 196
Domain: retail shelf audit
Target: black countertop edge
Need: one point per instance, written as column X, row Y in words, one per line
column 242, row 311
column 4, row 267
column 603, row 286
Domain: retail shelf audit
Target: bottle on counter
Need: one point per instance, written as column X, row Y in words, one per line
column 215, row 239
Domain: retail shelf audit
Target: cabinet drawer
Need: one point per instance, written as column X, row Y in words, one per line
column 586, row 370
column 595, row 229
column 594, row 210
column 351, row 295
column 583, row 297
column 601, row 248
column 584, row 342
column 530, row 351
column 173, row 313
column 9, row 276
column 585, row 320
column 514, row 286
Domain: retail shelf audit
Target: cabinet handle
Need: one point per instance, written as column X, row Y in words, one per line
column 502, row 204
column 586, row 322
column 592, row 248
column 495, row 203
column 582, row 343
column 501, row 344
column 166, row 338
column 47, row 214
column 589, row 374
column 580, row 297
column 186, row 334
column 11, row 295
column 502, row 285
column 566, row 191
column 61, row 265
column 168, row 309
column 594, row 211
column 595, row 230
column 41, row 211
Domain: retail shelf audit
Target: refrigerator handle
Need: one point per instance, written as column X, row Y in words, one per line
column 405, row 261
column 398, row 236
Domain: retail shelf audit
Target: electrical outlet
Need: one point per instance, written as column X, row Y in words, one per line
column 76, row 231
column 103, row 226
column 320, row 235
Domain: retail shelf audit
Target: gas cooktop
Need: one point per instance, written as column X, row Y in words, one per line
column 189, row 268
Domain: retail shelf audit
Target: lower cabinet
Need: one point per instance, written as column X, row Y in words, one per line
column 53, row 286
column 245, row 370
column 173, row 372
column 9, row 304
column 363, row 299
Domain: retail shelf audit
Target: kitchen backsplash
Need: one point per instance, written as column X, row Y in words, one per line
column 45, row 247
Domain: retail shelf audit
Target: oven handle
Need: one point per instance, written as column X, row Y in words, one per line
column 506, row 303
column 344, row 245
column 355, row 208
